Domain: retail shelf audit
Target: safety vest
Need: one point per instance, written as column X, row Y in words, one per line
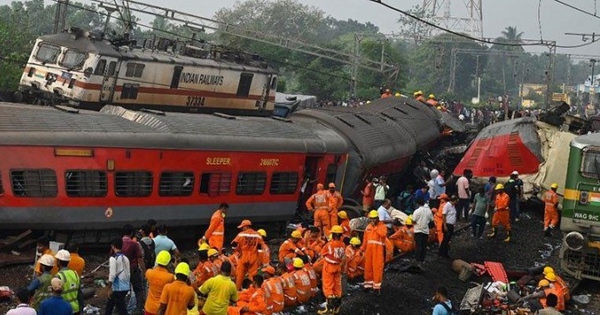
column 560, row 305
column 550, row 200
column 71, row 283
column 43, row 292
column 319, row 200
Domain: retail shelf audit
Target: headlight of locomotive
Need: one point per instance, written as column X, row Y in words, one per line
column 574, row 241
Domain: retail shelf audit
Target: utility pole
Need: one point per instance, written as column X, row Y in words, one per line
column 60, row 16
column 592, row 87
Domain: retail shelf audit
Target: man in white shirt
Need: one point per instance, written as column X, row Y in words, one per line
column 464, row 194
column 449, row 215
column 23, row 308
column 381, row 191
column 384, row 215
column 421, row 219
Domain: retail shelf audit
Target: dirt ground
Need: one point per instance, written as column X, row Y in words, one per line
column 402, row 293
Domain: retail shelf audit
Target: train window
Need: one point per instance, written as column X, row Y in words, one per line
column 215, row 184
column 176, row 77
column 273, row 83
column 101, row 67
column 252, row 183
column 331, row 173
column 80, row 183
column 130, row 91
column 47, row 53
column 112, row 66
column 176, row 184
column 245, row 83
column 135, row 69
column 284, row 183
column 133, row 184
column 590, row 164
column 34, row 183
column 73, row 59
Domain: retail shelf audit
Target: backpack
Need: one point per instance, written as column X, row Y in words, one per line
column 149, row 254
column 449, row 311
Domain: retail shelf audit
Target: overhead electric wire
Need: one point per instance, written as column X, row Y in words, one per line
column 577, row 9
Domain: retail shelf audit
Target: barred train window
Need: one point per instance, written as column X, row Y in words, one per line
column 590, row 163
column 80, row 183
column 133, row 184
column 216, row 183
column 135, row 69
column 252, row 183
column 34, row 183
column 284, row 183
column 176, row 184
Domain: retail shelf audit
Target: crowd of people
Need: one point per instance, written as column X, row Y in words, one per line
column 147, row 265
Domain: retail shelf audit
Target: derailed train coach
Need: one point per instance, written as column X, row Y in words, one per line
column 87, row 71
column 66, row 168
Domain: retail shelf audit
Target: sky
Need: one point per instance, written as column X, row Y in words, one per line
column 555, row 19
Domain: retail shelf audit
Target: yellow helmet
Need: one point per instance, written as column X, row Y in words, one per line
column 373, row 214
column 355, row 241
column 548, row 270
column 163, row 258
column 554, row 185
column 183, row 268
column 398, row 94
column 343, row 215
column 337, row 229
column 408, row 221
column 543, row 283
column 262, row 232
column 431, row 96
column 298, row 263
column 550, row 277
column 499, row 186
column 368, row 102
column 213, row 252
column 296, row 234
column 203, row 246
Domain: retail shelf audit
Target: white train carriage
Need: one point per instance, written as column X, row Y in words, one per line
column 90, row 73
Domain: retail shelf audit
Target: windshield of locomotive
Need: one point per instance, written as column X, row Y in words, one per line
column 47, row 53
column 590, row 166
column 73, row 59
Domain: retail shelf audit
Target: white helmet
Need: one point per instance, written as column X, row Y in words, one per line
column 63, row 255
column 461, row 117
column 47, row 260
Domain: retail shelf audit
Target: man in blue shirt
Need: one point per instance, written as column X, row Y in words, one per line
column 423, row 193
column 163, row 242
column 383, row 214
column 55, row 305
column 443, row 306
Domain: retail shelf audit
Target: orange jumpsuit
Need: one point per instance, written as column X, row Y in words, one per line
column 502, row 214
column 204, row 271
column 404, row 239
column 336, row 201
column 438, row 219
column 333, row 256
column 265, row 255
column 374, row 244
column 550, row 212
column 354, row 262
column 289, row 290
column 345, row 224
column 275, row 299
column 314, row 281
column 319, row 203
column 421, row 99
column 289, row 249
column 563, row 286
column 248, row 242
column 215, row 234
column 302, row 283
column 314, row 244
column 558, row 291
column 432, row 102
column 219, row 262
column 253, row 298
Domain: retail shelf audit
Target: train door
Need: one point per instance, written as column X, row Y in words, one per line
column 109, row 81
column 309, row 181
column 269, row 85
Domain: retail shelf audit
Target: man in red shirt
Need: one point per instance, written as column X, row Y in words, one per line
column 369, row 195
column 133, row 251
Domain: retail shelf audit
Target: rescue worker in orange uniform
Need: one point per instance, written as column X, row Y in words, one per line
column 215, row 234
column 218, row 262
column 354, row 266
column 292, row 247
column 438, row 218
column 345, row 224
column 502, row 213
column 319, row 203
column 373, row 244
column 387, row 93
column 313, row 243
column 544, row 289
column 312, row 275
column 203, row 270
column 301, row 281
column 557, row 281
column 336, row 201
column 431, row 100
column 251, row 301
column 551, row 209
column 264, row 252
column 334, row 258
column 247, row 242
column 419, row 96
column 289, row 286
column 273, row 291
column 404, row 237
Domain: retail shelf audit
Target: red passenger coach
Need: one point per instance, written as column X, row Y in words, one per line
column 67, row 169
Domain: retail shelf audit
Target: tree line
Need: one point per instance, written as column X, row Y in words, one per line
column 446, row 65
